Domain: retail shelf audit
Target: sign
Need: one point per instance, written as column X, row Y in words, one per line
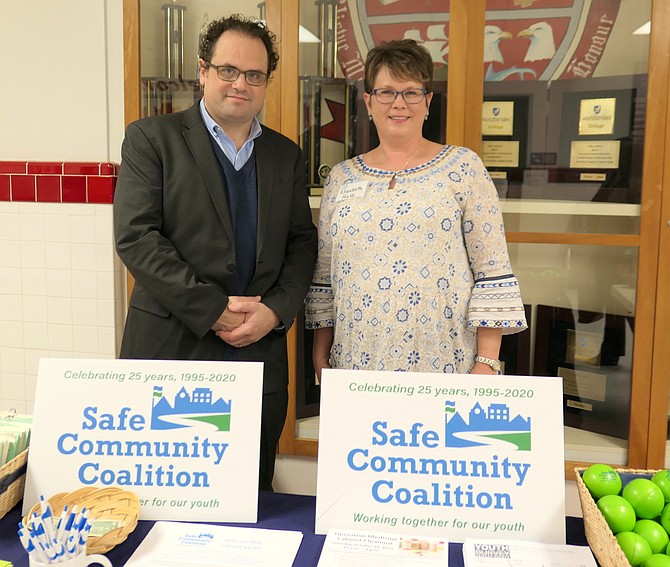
column 182, row 435
column 593, row 177
column 498, row 118
column 596, row 116
column 498, row 174
column 581, row 383
column 440, row 455
column 500, row 154
column 602, row 154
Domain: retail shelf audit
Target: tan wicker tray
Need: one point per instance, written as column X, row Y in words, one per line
column 599, row 535
column 108, row 504
column 12, row 482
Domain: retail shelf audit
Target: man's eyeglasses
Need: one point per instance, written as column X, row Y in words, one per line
column 229, row 74
column 410, row 96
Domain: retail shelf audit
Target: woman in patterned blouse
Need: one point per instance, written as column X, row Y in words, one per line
column 413, row 272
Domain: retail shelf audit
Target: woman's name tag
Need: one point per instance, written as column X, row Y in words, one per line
column 352, row 191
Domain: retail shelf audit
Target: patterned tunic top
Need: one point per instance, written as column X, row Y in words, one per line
column 406, row 275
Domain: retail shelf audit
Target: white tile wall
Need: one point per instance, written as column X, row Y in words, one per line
column 62, row 291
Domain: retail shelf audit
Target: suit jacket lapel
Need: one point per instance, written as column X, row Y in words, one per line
column 265, row 160
column 197, row 139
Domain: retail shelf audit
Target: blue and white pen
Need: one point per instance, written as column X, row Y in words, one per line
column 38, row 534
column 36, row 553
column 72, row 545
column 49, row 552
column 77, row 523
column 29, row 546
column 58, row 548
column 82, row 536
column 84, row 518
column 70, row 520
column 60, row 527
column 47, row 519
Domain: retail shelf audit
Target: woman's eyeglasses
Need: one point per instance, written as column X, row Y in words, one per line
column 410, row 96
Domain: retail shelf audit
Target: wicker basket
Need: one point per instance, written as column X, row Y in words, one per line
column 12, row 482
column 599, row 535
column 109, row 504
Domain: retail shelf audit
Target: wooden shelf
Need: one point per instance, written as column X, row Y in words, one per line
column 549, row 207
column 586, row 446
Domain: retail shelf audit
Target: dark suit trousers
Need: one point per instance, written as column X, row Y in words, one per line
column 272, row 423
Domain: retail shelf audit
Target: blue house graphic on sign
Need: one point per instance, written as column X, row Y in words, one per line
column 486, row 426
column 190, row 409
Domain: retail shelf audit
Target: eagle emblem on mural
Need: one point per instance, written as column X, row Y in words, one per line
column 523, row 39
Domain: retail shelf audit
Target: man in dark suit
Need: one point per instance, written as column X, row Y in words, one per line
column 212, row 219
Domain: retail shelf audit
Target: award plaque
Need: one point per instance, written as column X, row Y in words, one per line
column 505, row 137
column 599, row 128
column 601, row 154
column 596, row 116
column 588, row 350
column 498, row 118
column 500, row 154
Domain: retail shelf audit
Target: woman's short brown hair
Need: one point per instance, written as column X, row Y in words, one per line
column 404, row 59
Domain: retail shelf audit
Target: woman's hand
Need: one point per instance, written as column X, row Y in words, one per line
column 319, row 365
column 323, row 341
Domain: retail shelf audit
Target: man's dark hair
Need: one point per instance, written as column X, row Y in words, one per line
column 250, row 27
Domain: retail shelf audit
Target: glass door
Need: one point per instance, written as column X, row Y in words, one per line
column 334, row 38
column 566, row 102
column 565, row 136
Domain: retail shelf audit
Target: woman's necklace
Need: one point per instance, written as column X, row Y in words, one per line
column 408, row 159
column 395, row 173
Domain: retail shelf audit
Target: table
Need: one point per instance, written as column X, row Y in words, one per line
column 275, row 511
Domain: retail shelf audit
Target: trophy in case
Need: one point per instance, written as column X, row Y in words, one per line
column 328, row 125
column 171, row 92
column 327, row 106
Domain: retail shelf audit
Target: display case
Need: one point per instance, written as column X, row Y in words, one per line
column 576, row 240
column 591, row 351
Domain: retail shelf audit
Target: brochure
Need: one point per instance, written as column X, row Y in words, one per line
column 175, row 544
column 497, row 552
column 353, row 548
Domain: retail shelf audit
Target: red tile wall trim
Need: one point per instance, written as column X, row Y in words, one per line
column 58, row 182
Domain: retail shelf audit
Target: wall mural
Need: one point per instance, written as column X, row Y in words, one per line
column 524, row 39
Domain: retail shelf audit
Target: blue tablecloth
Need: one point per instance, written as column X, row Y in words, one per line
column 275, row 511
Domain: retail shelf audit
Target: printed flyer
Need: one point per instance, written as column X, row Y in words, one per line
column 380, row 549
column 171, row 544
column 450, row 456
column 182, row 435
column 502, row 553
